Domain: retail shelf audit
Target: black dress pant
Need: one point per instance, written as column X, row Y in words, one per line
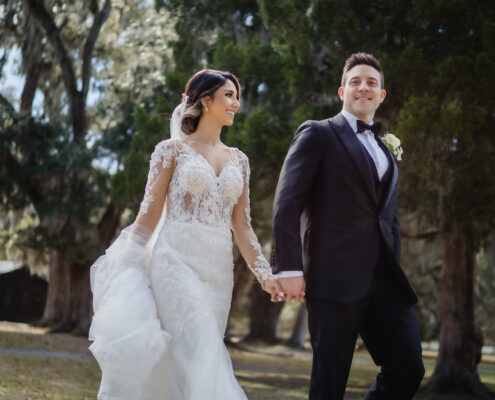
column 388, row 326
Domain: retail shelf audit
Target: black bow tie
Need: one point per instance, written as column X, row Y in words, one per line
column 362, row 126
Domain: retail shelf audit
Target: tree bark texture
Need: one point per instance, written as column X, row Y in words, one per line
column 460, row 340
column 241, row 279
column 81, row 307
column 108, row 224
column 30, row 85
column 57, row 299
column 77, row 310
column 32, row 62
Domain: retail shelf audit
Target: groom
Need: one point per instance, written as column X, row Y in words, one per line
column 337, row 238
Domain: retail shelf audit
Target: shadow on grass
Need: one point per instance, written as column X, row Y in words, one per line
column 48, row 342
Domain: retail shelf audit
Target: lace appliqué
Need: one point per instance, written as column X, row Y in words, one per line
column 161, row 158
column 246, row 172
column 196, row 194
column 261, row 268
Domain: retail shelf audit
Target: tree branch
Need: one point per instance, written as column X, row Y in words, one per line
column 89, row 45
column 93, row 6
column 3, row 59
column 39, row 11
column 33, row 72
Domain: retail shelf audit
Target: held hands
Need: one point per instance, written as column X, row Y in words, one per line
column 273, row 287
column 294, row 288
column 281, row 289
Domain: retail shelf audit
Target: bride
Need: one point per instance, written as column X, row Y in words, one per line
column 162, row 291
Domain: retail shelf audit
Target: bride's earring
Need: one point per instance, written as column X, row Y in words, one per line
column 206, row 108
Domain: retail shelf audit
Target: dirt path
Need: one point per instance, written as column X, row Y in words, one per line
column 43, row 353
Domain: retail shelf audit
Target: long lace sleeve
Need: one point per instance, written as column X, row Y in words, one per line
column 127, row 336
column 161, row 168
column 244, row 235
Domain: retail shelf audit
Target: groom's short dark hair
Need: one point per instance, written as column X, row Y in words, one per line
column 359, row 59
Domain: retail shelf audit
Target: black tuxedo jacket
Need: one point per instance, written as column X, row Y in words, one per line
column 327, row 220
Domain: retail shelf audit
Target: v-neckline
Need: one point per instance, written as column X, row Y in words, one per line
column 208, row 163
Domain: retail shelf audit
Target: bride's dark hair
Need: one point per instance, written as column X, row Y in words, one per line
column 203, row 84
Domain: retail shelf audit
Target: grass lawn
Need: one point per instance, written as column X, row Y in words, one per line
column 263, row 374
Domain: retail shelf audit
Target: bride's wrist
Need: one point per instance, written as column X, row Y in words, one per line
column 264, row 278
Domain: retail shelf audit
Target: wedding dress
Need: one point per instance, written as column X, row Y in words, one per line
column 161, row 313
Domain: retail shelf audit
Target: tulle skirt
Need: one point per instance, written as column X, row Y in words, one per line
column 172, row 349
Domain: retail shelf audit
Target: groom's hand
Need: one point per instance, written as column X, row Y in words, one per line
column 293, row 287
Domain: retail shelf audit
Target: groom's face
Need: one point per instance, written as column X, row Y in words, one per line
column 362, row 93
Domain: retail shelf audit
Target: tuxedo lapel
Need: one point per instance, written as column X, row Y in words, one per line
column 395, row 173
column 356, row 151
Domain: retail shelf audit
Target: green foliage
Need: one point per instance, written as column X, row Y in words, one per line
column 128, row 182
column 449, row 166
column 229, row 36
column 438, row 58
column 69, row 184
column 38, row 169
column 439, row 63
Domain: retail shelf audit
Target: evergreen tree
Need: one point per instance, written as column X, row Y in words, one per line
column 438, row 59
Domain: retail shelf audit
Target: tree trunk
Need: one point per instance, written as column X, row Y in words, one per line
column 81, row 307
column 108, row 224
column 78, row 108
column 263, row 317
column 57, row 299
column 30, row 86
column 241, row 279
column 78, row 315
column 300, row 330
column 460, row 340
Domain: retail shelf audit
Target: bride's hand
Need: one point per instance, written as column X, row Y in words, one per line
column 273, row 287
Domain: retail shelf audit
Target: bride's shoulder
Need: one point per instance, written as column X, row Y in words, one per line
column 169, row 146
column 165, row 151
column 168, row 143
column 242, row 160
column 241, row 156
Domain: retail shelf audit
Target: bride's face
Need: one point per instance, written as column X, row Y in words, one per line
column 224, row 104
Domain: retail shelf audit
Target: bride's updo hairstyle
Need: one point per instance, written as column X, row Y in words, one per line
column 203, row 84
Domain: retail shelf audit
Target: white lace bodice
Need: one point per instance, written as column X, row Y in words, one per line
column 195, row 193
column 192, row 192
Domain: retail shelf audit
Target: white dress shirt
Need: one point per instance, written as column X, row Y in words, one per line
column 367, row 138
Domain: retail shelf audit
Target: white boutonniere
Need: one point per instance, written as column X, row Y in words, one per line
column 393, row 144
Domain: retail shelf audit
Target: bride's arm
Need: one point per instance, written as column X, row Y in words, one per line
column 161, row 169
column 125, row 314
column 248, row 242
column 129, row 248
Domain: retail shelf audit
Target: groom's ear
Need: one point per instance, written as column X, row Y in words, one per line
column 383, row 94
column 341, row 93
